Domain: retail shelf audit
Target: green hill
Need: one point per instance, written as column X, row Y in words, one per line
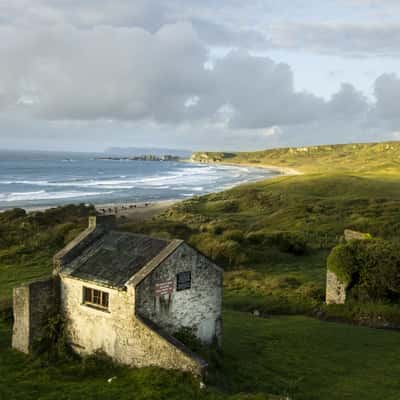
column 360, row 158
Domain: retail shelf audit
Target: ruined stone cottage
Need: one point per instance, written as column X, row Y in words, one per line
column 125, row 295
column 336, row 291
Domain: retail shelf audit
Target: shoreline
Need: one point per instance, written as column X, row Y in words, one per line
column 146, row 209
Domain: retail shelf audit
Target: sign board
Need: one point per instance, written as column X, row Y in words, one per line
column 162, row 288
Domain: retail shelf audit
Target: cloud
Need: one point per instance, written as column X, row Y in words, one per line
column 347, row 103
column 387, row 94
column 353, row 39
column 64, row 73
column 95, row 67
column 122, row 73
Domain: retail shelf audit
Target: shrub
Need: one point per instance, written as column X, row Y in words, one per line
column 12, row 215
column 223, row 206
column 187, row 336
column 256, row 237
column 289, row 242
column 52, row 344
column 234, row 234
column 227, row 253
column 370, row 268
column 342, row 262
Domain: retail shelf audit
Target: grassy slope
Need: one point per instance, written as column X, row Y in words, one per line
column 296, row 356
column 353, row 158
column 315, row 207
column 305, row 358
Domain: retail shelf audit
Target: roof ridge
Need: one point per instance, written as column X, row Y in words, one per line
column 140, row 235
column 154, row 262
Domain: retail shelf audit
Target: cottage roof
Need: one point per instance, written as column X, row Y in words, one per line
column 114, row 257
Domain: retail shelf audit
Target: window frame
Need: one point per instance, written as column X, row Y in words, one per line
column 95, row 298
column 183, row 285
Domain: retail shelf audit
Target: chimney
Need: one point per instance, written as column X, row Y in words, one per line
column 106, row 222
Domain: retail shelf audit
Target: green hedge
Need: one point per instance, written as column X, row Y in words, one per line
column 370, row 268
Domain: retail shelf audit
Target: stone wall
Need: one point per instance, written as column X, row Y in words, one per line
column 354, row 235
column 117, row 332
column 335, row 290
column 33, row 305
column 198, row 308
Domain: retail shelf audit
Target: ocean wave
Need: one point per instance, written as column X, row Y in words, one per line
column 44, row 195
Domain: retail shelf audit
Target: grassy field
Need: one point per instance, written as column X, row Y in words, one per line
column 272, row 237
column 293, row 356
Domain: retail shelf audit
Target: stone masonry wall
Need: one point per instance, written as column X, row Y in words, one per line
column 117, row 332
column 198, row 308
column 33, row 304
column 335, row 290
column 20, row 337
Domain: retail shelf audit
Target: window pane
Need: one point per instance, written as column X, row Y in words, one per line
column 94, row 296
column 104, row 302
column 183, row 280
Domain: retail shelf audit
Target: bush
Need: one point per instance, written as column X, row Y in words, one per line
column 342, row 262
column 234, row 234
column 257, row 237
column 370, row 268
column 227, row 253
column 52, row 344
column 12, row 215
column 187, row 336
column 289, row 242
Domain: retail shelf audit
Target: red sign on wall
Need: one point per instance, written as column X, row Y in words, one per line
column 164, row 288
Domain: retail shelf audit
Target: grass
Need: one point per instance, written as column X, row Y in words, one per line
column 273, row 238
column 292, row 356
column 310, row 359
column 360, row 158
column 251, row 231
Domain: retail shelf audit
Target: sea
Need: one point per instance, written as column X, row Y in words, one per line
column 42, row 179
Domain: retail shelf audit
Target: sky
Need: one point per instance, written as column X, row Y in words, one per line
column 85, row 75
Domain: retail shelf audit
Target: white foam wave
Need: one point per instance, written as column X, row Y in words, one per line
column 44, row 195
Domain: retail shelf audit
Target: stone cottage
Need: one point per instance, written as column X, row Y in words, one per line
column 125, row 295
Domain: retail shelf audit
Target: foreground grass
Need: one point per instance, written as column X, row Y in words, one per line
column 288, row 356
column 310, row 359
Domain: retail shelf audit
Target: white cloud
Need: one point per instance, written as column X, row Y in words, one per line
column 95, row 67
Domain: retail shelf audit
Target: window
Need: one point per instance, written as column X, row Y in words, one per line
column 95, row 298
column 183, row 280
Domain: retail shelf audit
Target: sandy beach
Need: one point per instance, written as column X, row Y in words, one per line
column 134, row 210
